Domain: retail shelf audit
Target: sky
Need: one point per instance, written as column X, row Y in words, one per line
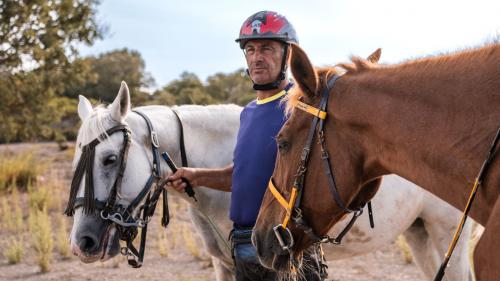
column 198, row 36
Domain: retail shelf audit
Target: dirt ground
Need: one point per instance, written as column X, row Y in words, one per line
column 171, row 254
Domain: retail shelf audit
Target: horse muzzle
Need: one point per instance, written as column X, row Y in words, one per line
column 89, row 247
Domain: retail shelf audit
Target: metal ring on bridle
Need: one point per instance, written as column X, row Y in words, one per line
column 279, row 235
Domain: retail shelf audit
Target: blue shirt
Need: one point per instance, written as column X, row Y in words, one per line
column 254, row 157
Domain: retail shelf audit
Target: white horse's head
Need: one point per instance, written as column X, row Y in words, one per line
column 93, row 238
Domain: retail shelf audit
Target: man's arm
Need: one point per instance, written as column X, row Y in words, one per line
column 219, row 179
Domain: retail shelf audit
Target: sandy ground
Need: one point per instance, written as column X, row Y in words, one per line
column 179, row 261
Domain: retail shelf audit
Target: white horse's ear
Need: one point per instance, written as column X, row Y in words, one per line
column 84, row 107
column 121, row 105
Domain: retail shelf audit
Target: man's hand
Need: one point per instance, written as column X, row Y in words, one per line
column 219, row 178
column 175, row 180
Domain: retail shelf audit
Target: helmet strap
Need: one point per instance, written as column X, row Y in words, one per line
column 276, row 84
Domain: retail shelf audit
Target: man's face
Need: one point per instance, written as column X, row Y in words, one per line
column 263, row 60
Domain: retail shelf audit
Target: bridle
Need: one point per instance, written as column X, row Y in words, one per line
column 127, row 219
column 292, row 206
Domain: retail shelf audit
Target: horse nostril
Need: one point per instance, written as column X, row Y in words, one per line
column 87, row 244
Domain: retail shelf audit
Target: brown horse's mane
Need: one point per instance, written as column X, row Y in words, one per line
column 428, row 64
column 324, row 73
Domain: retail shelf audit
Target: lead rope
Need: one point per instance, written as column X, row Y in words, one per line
column 477, row 183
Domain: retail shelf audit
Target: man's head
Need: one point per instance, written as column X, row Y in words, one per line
column 264, row 38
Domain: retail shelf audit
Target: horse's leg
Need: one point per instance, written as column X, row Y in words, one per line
column 223, row 264
column 222, row 272
column 440, row 224
column 422, row 248
column 487, row 252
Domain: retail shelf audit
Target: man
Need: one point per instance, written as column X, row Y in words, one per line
column 265, row 38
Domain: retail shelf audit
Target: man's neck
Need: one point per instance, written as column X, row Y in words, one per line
column 269, row 93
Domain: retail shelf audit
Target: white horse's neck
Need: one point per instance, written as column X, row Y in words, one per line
column 209, row 137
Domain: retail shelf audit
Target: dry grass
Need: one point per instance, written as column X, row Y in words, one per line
column 18, row 170
column 15, row 251
column 163, row 244
column 190, row 242
column 41, row 230
column 62, row 243
column 405, row 249
column 39, row 198
column 477, row 231
column 12, row 218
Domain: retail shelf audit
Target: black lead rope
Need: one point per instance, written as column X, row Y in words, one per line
column 189, row 188
column 477, row 183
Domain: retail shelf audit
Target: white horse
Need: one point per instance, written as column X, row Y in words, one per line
column 210, row 134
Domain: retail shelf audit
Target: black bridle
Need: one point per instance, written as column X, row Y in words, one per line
column 292, row 207
column 127, row 219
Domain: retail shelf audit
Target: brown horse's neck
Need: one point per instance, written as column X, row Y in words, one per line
column 431, row 121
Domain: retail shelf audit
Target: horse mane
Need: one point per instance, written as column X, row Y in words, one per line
column 295, row 94
column 428, row 65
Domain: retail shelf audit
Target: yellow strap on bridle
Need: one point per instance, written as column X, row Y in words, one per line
column 287, row 205
column 311, row 110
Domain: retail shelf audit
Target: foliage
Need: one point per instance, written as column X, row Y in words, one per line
column 234, row 87
column 38, row 32
column 37, row 59
column 109, row 69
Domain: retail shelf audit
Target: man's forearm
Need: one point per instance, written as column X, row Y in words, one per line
column 219, row 179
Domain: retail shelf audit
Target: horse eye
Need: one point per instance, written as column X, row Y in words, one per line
column 110, row 160
column 283, row 146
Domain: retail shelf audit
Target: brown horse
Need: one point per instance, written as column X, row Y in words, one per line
column 430, row 121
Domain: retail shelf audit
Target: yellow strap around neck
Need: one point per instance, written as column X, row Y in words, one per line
column 311, row 110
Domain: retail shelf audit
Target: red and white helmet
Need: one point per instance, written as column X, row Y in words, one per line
column 267, row 25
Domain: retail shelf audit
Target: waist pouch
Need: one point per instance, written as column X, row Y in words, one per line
column 243, row 250
column 241, row 235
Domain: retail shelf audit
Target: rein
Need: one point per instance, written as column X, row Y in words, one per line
column 292, row 207
column 478, row 181
column 123, row 217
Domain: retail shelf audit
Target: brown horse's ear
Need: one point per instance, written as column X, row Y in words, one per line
column 375, row 56
column 303, row 71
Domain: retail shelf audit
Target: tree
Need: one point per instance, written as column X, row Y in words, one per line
column 188, row 90
column 234, row 87
column 37, row 58
column 110, row 69
column 39, row 32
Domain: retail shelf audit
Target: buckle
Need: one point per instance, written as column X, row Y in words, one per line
column 279, row 231
column 154, row 139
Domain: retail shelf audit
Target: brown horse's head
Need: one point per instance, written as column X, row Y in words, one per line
column 318, row 206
